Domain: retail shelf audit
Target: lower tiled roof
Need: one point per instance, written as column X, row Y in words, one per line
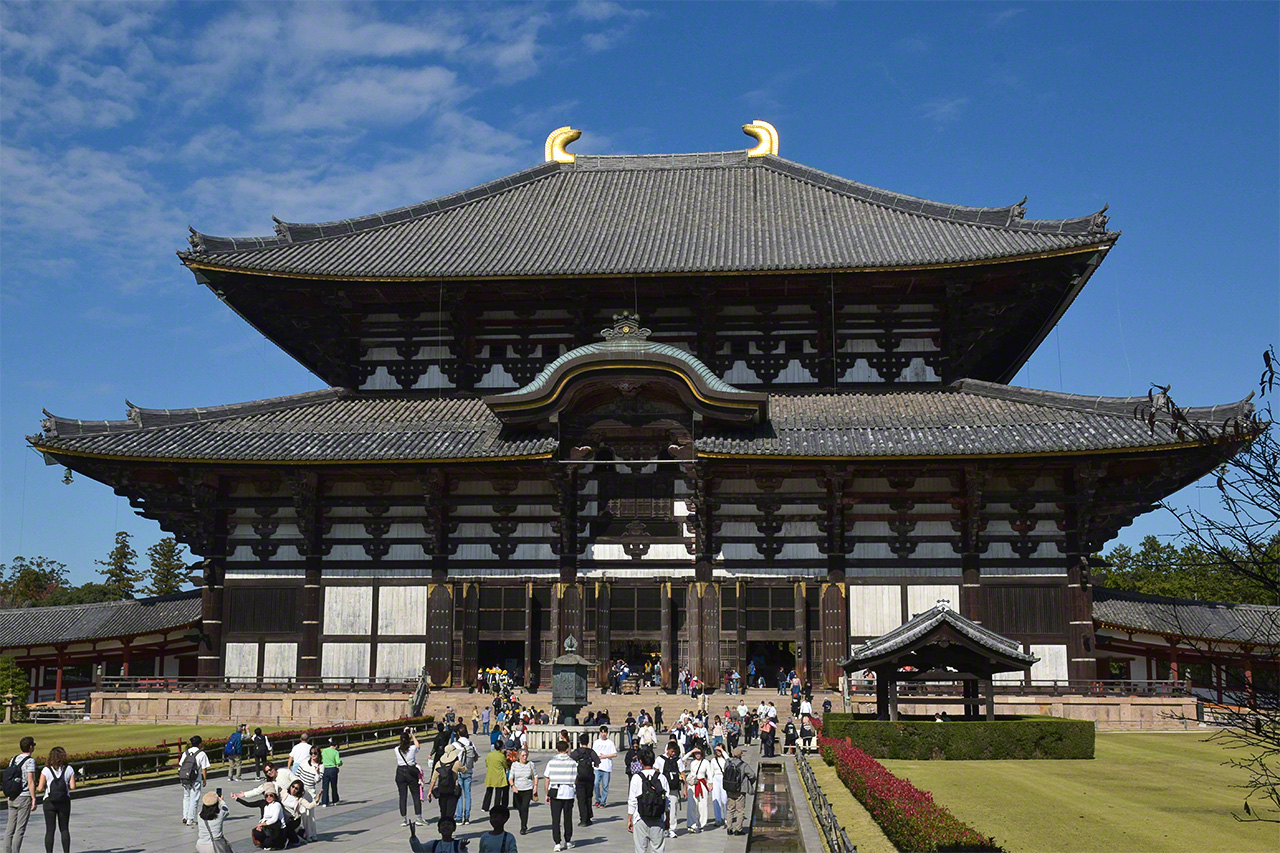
column 39, row 626
column 1208, row 620
column 966, row 418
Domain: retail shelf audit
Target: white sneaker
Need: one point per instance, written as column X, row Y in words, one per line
column 404, row 821
column 556, row 849
column 671, row 833
column 568, row 845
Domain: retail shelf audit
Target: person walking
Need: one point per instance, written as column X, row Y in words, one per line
column 485, row 716
column 330, row 761
column 233, row 751
column 408, row 776
column 672, row 771
column 20, row 791
column 261, row 752
column 560, row 774
column 467, row 757
column 300, row 752
column 647, row 806
column 497, row 788
column 718, row 761
column 697, row 779
column 586, row 761
column 193, row 772
column 523, row 776
column 445, row 785
column 737, row 780
column 210, row 838
column 607, row 750
column 57, row 781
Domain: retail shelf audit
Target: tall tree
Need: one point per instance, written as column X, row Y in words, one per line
column 1162, row 568
column 120, row 575
column 28, row 581
column 168, row 572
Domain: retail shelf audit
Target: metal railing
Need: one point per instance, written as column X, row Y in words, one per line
column 832, row 832
column 420, row 694
column 261, row 684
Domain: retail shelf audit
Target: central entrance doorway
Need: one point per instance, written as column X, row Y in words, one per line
column 504, row 654
column 769, row 656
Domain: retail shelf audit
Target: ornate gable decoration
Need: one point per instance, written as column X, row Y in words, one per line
column 627, row 362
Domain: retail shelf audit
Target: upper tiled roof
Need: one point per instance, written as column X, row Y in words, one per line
column 1208, row 620
column 923, row 623
column 37, row 626
column 623, row 215
column 964, row 419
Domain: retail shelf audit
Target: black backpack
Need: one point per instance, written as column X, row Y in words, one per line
column 732, row 781
column 14, row 781
column 447, row 784
column 586, row 767
column 58, row 790
column 188, row 769
column 652, row 803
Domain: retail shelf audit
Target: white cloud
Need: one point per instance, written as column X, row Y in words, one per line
column 1004, row 16
column 365, row 97
column 943, row 110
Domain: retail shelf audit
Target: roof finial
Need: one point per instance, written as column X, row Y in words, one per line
column 766, row 134
column 626, row 325
column 555, row 148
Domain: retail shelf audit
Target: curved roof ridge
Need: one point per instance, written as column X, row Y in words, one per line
column 290, row 233
column 1120, row 406
column 1008, row 216
column 138, row 418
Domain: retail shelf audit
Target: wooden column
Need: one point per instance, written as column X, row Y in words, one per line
column 209, row 661
column 440, row 633
column 57, row 684
column 989, row 687
column 709, row 614
column 833, row 595
column 470, row 632
column 882, row 695
column 740, row 620
column 532, row 640
column 972, row 523
column 566, row 484
column 664, row 649
column 569, row 603
column 126, row 655
column 1082, row 658
column 604, row 652
column 1174, row 675
column 693, row 628
column 306, row 495
column 801, row 604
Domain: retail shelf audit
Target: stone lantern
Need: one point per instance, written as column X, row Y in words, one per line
column 569, row 683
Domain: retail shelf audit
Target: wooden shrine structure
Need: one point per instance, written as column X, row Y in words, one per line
column 808, row 439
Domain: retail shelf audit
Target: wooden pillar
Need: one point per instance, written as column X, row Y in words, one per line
column 1082, row 654
column 882, row 695
column 57, row 684
column 569, row 600
column 709, row 614
column 893, row 695
column 440, row 633
column 126, row 655
column 604, row 650
column 532, row 639
column 801, row 604
column 989, row 687
column 972, row 523
column 664, row 650
column 1173, row 660
column 470, row 629
column 693, row 628
column 209, row 660
column 740, row 619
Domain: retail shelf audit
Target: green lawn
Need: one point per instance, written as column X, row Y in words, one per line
column 95, row 737
column 1143, row 792
column 864, row 832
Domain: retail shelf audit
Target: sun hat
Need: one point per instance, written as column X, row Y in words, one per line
column 210, row 799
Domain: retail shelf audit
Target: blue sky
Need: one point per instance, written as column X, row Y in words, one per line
column 121, row 124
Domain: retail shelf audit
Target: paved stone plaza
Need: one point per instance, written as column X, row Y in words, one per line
column 368, row 819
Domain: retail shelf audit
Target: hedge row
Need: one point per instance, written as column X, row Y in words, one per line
column 910, row 818
column 966, row 740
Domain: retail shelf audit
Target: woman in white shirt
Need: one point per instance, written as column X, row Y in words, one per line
column 297, row 804
column 270, row 831
column 523, row 776
column 698, row 778
column 57, row 797
column 408, row 776
column 719, row 799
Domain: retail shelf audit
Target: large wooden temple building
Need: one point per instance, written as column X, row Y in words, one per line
column 715, row 408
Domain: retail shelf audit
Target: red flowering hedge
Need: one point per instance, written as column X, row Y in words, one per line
column 909, row 817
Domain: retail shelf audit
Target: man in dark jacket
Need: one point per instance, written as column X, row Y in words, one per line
column 585, row 784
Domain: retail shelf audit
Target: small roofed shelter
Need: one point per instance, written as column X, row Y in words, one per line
column 938, row 645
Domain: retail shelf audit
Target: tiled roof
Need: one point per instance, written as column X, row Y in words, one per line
column 1209, row 620
column 623, row 215
column 966, row 418
column 921, row 624
column 37, row 626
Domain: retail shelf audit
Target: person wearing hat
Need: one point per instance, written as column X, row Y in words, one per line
column 209, row 837
column 271, row 833
column 736, row 780
column 446, row 786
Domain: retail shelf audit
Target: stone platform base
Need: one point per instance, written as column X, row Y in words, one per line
column 303, row 708
column 1109, row 713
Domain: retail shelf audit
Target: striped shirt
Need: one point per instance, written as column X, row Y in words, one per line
column 562, row 772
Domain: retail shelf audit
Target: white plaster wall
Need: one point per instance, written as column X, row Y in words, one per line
column 874, row 609
column 279, row 660
column 400, row 660
column 348, row 609
column 924, row 597
column 241, row 660
column 402, row 610
column 344, row 660
column 1052, row 665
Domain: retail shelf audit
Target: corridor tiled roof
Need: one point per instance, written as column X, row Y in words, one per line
column 1209, row 620
column 922, row 624
column 334, row 425
column 640, row 214
column 37, row 626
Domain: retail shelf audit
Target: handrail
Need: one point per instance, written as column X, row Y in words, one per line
column 420, row 695
column 834, row 834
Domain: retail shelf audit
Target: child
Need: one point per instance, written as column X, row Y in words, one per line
column 445, row 843
column 498, row 840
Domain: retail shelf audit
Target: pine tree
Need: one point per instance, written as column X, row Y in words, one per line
column 120, row 574
column 168, row 570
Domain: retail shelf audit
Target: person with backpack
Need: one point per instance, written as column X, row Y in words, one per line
column 408, row 776
column 561, row 772
column 467, row 757
column 445, row 785
column 446, row 843
column 19, row 784
column 233, row 751
column 193, row 772
column 737, row 780
column 587, row 761
column 57, row 781
column 498, row 840
column 672, row 771
column 261, row 752
column 647, row 806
